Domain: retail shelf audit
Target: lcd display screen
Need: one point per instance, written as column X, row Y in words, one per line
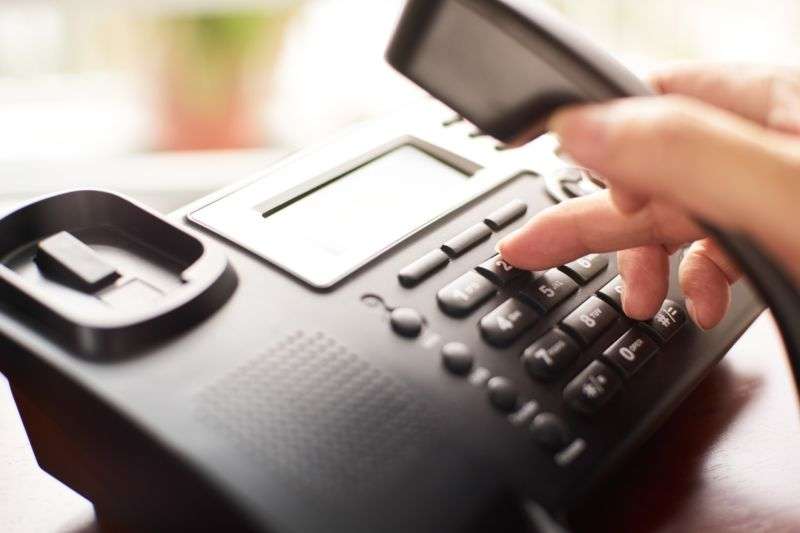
column 361, row 213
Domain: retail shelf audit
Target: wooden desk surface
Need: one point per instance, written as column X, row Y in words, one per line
column 728, row 460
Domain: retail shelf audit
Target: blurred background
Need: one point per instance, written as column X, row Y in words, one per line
column 105, row 92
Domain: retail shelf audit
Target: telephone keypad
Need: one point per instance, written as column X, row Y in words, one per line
column 499, row 272
column 466, row 294
column 527, row 299
column 508, row 322
column 548, row 289
column 590, row 320
column 592, row 388
column 586, row 268
column 551, row 355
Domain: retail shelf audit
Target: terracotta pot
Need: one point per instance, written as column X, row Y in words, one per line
column 215, row 78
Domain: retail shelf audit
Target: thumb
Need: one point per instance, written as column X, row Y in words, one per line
column 703, row 159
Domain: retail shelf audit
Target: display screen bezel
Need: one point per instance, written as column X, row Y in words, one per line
column 238, row 216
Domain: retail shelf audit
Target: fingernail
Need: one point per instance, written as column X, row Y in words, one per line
column 692, row 310
column 624, row 297
column 583, row 131
column 506, row 241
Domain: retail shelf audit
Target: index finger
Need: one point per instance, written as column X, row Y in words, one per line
column 592, row 224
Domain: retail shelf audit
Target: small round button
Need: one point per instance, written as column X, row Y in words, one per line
column 457, row 358
column 502, row 394
column 550, row 432
column 406, row 322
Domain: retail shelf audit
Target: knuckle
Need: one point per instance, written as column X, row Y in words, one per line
column 656, row 124
column 672, row 121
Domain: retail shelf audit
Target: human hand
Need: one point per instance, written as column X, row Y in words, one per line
column 721, row 144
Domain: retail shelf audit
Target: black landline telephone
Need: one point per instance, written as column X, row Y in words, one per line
column 333, row 344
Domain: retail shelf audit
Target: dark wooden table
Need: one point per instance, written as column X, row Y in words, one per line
column 728, row 460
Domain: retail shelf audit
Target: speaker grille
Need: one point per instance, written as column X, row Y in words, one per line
column 311, row 409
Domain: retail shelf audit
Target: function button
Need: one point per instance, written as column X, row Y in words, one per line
column 507, row 323
column 586, row 268
column 550, row 432
column 423, row 267
column 667, row 321
column 406, row 322
column 523, row 415
column 546, row 358
column 506, row 215
column 571, row 453
column 592, row 388
column 499, row 272
column 466, row 294
column 457, row 358
column 631, row 352
column 548, row 289
column 467, row 240
column 503, row 394
column 612, row 293
column 590, row 320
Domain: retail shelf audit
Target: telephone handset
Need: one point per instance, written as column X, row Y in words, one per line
column 506, row 65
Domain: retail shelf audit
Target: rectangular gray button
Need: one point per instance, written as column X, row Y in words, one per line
column 506, row 215
column 466, row 240
column 422, row 268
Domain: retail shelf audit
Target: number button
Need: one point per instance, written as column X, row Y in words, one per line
column 499, row 272
column 612, row 293
column 548, row 289
column 590, row 320
column 631, row 352
column 546, row 358
column 592, row 388
column 465, row 295
column 507, row 323
column 667, row 322
column 586, row 268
